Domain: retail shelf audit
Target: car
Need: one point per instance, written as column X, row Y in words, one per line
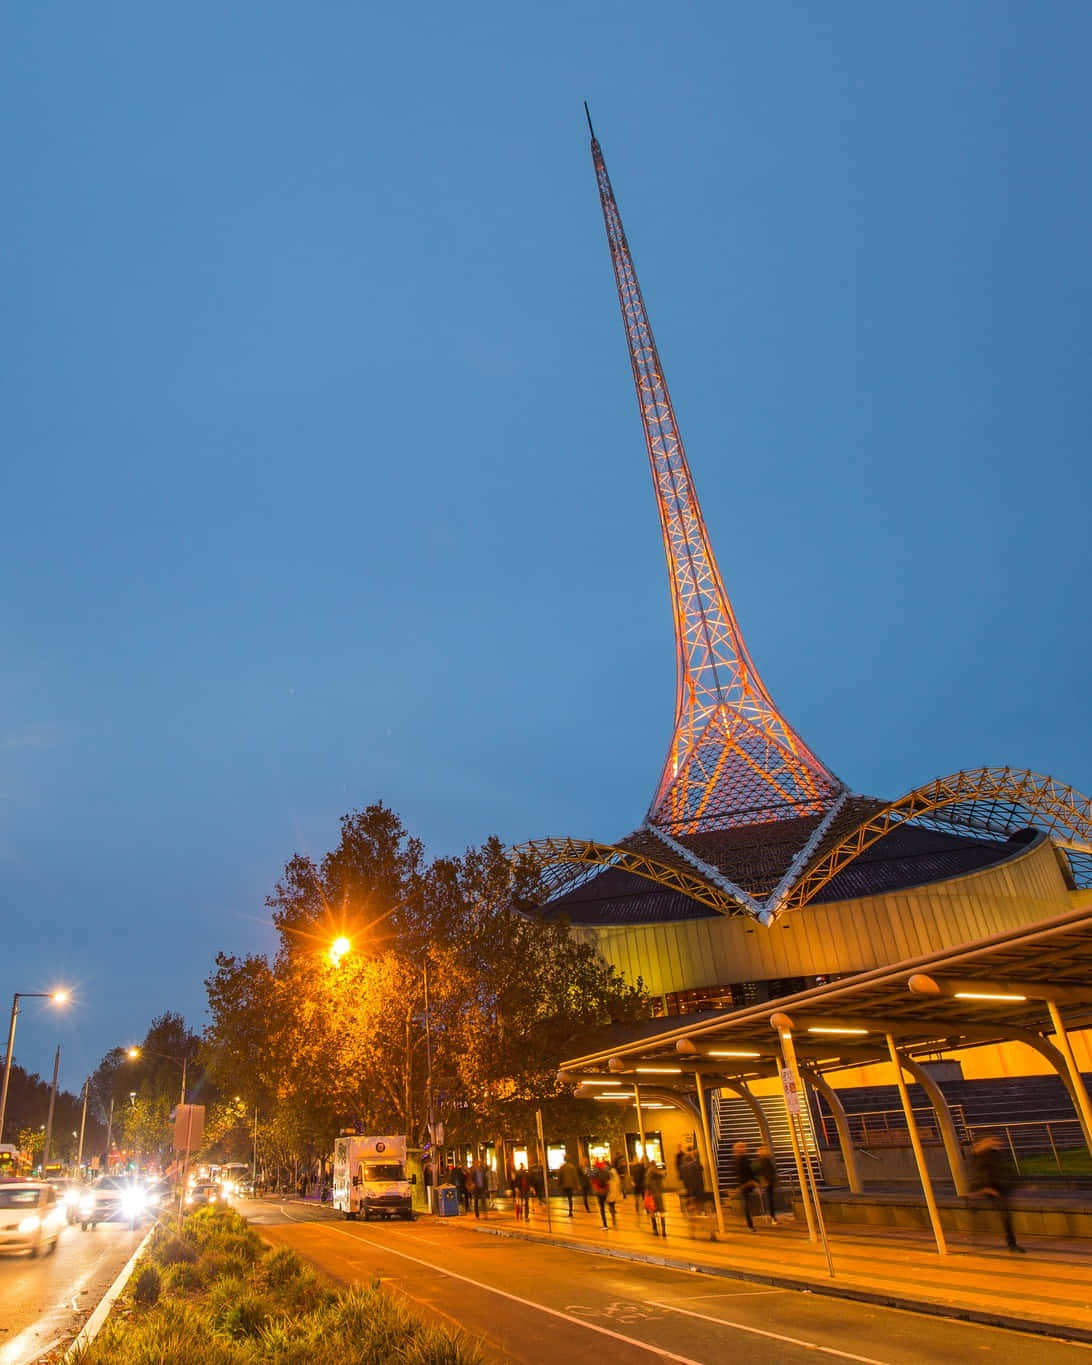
column 113, row 1198
column 204, row 1195
column 69, row 1192
column 31, row 1216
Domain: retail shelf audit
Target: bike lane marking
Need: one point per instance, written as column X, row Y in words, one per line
column 580, row 1322
column 529, row 1303
column 774, row 1336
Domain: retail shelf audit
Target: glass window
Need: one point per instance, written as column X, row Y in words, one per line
column 19, row 1199
column 387, row 1171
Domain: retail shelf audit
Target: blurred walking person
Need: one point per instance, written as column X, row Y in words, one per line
column 568, row 1179
column 693, row 1178
column 992, row 1178
column 614, row 1193
column 765, row 1173
column 654, row 1199
column 746, row 1183
column 637, row 1174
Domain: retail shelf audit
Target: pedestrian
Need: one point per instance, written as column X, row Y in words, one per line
column 568, row 1180
column 600, row 1189
column 680, row 1161
column 765, row 1172
column 523, row 1193
column 694, row 1183
column 614, row 1193
column 992, row 1177
column 654, row 1198
column 637, row 1175
column 479, row 1188
column 745, row 1179
column 585, row 1186
column 458, row 1179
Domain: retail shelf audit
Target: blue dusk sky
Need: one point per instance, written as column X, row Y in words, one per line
column 323, row 478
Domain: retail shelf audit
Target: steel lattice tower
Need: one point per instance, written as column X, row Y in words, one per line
column 733, row 758
column 745, row 818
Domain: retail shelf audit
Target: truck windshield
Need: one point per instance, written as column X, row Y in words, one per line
column 391, row 1171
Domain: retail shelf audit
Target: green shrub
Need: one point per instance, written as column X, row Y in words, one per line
column 247, row 1247
column 146, row 1287
column 246, row 1316
column 173, row 1251
column 220, row 1265
column 177, row 1279
column 281, row 1267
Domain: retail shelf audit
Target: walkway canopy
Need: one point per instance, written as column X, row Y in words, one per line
column 1032, row 986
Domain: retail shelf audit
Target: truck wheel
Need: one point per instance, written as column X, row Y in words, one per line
column 83, row 1225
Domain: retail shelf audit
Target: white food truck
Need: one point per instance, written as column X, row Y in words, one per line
column 370, row 1177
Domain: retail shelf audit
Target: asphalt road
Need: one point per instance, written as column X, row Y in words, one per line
column 45, row 1300
column 536, row 1304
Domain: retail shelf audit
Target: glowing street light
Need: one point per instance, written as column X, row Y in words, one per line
column 338, row 949
column 58, row 998
column 135, row 1053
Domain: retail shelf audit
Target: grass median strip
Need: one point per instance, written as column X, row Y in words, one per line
column 219, row 1295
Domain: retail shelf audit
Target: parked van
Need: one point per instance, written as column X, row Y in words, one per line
column 370, row 1178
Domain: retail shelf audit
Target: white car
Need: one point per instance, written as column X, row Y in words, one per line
column 31, row 1216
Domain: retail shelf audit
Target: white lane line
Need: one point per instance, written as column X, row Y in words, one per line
column 529, row 1303
column 774, row 1336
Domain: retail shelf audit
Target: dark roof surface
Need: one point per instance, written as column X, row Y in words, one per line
column 911, row 855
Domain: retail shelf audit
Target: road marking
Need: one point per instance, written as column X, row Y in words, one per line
column 774, row 1336
column 530, row 1303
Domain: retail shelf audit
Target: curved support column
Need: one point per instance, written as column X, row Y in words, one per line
column 841, row 1123
column 1057, row 1060
column 945, row 1122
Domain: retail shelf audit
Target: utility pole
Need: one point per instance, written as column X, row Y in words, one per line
column 83, row 1125
column 49, row 1120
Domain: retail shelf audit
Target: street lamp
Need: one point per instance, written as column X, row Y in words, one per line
column 135, row 1053
column 338, row 950
column 58, row 998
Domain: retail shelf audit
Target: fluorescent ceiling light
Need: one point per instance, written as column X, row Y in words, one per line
column 986, row 995
column 659, row 1070
column 819, row 1028
column 733, row 1054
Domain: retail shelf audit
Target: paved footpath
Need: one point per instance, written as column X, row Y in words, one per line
column 1047, row 1290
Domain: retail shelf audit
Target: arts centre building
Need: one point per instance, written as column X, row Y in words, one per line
column 793, row 932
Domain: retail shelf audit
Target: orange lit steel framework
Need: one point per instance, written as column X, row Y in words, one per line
column 733, row 758
column 736, row 771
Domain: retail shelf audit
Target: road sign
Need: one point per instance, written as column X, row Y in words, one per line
column 792, row 1095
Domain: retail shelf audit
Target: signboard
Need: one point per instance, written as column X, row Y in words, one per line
column 189, row 1127
column 792, row 1095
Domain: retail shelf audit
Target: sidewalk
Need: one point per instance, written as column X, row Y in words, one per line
column 1047, row 1291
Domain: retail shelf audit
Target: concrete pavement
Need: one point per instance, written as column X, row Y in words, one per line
column 1047, row 1290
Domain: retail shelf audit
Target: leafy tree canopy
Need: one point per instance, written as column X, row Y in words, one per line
column 441, row 963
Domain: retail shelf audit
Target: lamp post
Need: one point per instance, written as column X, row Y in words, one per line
column 135, row 1053
column 338, row 949
column 58, row 998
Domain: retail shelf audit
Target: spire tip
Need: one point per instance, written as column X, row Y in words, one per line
column 587, row 115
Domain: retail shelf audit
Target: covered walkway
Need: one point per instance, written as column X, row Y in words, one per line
column 1029, row 987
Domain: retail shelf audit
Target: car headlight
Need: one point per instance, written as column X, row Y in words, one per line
column 87, row 1203
column 189, row 1198
column 212, row 1198
column 31, row 1223
column 71, row 1196
column 132, row 1202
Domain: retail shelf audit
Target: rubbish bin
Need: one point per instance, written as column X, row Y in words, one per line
column 447, row 1201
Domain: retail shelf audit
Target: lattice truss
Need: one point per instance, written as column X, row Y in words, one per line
column 745, row 819
column 733, row 758
column 994, row 802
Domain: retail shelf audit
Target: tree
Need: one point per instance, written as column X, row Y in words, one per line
column 324, row 1044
